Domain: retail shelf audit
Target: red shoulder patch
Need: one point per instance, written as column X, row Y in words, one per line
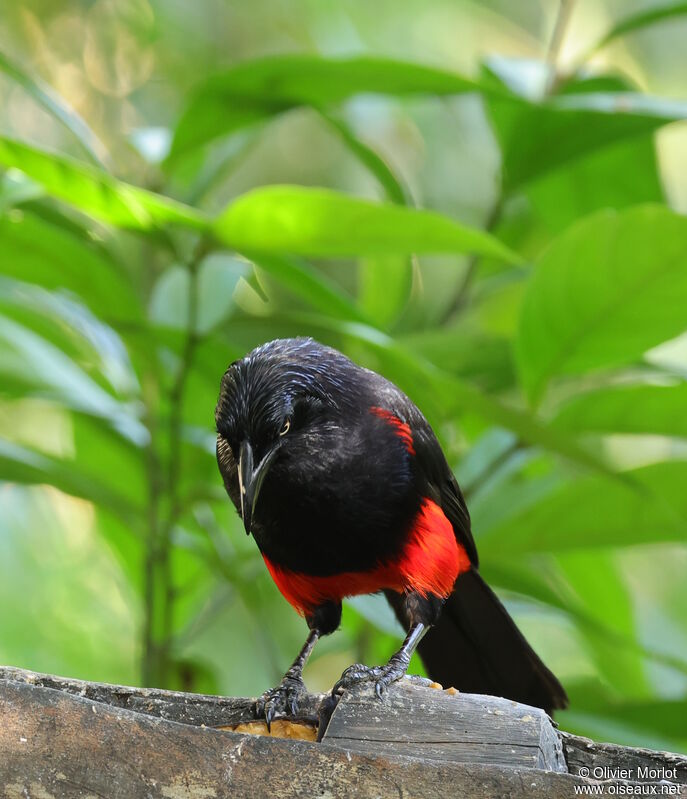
column 429, row 563
column 402, row 429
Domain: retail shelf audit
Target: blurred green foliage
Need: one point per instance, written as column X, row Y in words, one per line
column 481, row 201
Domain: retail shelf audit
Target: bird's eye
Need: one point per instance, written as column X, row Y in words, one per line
column 285, row 427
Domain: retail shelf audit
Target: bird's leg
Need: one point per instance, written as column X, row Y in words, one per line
column 285, row 696
column 382, row 676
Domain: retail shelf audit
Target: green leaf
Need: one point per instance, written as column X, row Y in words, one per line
column 309, row 285
column 21, row 465
column 537, row 577
column 618, row 176
column 603, row 293
column 37, row 251
column 395, row 192
column 464, row 349
column 30, row 360
column 641, row 20
column 48, row 99
column 597, row 512
column 256, row 90
column 595, row 712
column 599, row 584
column 658, row 410
column 578, row 122
column 319, row 222
column 97, row 193
column 384, row 286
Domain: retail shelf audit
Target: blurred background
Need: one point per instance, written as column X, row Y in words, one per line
column 552, row 369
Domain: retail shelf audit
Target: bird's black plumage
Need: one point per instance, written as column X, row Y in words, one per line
column 332, row 468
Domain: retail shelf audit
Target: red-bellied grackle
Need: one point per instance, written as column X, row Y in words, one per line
column 343, row 484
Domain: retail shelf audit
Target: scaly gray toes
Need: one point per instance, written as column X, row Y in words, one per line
column 381, row 676
column 280, row 701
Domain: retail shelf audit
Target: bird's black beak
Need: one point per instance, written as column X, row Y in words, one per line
column 250, row 481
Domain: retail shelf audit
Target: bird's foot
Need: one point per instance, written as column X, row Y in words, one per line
column 380, row 676
column 280, row 701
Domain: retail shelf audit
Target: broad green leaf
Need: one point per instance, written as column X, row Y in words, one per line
column 487, row 454
column 16, row 190
column 618, row 176
column 255, row 90
column 384, row 286
column 602, row 294
column 70, row 326
column 48, row 99
column 319, row 222
column 595, row 711
column 32, row 360
column 658, row 410
column 597, row 512
column 37, row 251
column 310, row 286
column 395, row 192
column 578, row 121
column 599, row 584
column 21, row 465
column 641, row 20
column 110, row 460
column 82, row 442
column 23, row 322
column 97, row 193
column 539, row 579
column 465, row 350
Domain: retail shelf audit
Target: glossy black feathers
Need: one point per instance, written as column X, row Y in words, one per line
column 343, row 490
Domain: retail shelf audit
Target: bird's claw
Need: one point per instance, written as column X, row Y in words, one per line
column 280, row 701
column 381, row 676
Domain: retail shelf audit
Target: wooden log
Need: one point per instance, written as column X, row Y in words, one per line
column 606, row 759
column 67, row 738
column 438, row 726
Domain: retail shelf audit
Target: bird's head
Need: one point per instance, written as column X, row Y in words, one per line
column 283, row 398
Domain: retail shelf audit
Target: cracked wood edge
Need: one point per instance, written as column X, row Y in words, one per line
column 199, row 710
column 583, row 752
column 54, row 744
column 195, row 709
column 463, row 728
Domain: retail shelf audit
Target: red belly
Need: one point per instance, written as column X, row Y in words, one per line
column 429, row 563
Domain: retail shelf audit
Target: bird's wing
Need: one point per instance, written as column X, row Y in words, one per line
column 434, row 467
column 440, row 485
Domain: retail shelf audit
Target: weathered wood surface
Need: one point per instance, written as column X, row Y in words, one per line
column 66, row 738
column 595, row 757
column 423, row 722
column 193, row 709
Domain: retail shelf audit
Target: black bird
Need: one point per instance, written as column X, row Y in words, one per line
column 343, row 484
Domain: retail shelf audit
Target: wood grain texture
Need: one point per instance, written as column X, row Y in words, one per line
column 584, row 753
column 54, row 744
column 463, row 728
column 172, row 705
column 68, row 738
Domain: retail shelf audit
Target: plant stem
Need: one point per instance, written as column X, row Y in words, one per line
column 159, row 592
column 460, row 298
column 148, row 648
column 174, row 469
